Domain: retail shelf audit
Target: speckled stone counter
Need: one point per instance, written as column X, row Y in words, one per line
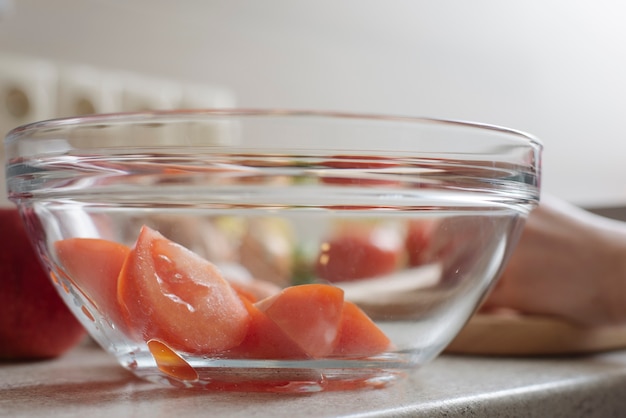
column 88, row 383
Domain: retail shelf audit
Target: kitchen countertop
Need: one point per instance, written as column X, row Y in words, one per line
column 86, row 382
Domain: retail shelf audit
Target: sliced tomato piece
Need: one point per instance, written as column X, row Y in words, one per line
column 94, row 265
column 418, row 238
column 309, row 314
column 265, row 339
column 170, row 362
column 244, row 293
column 253, row 290
column 171, row 294
column 355, row 256
column 358, row 334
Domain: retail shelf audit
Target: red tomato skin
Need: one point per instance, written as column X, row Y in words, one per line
column 417, row 240
column 94, row 266
column 354, row 257
column 35, row 323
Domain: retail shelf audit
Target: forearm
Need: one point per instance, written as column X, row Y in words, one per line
column 612, row 269
column 569, row 263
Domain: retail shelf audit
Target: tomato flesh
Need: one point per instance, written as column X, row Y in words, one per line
column 418, row 238
column 175, row 301
column 309, row 314
column 168, row 293
column 94, row 265
column 265, row 339
column 170, row 362
column 358, row 334
column 353, row 257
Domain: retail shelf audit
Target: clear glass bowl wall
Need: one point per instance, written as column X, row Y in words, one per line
column 278, row 199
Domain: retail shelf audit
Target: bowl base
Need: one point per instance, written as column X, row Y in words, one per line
column 276, row 380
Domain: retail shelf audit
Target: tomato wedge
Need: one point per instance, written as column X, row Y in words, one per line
column 174, row 300
column 353, row 257
column 170, row 294
column 358, row 334
column 418, row 238
column 308, row 314
column 265, row 339
column 170, row 362
column 93, row 265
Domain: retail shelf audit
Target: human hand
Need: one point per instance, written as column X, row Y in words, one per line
column 569, row 263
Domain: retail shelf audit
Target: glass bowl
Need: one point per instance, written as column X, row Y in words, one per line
column 280, row 251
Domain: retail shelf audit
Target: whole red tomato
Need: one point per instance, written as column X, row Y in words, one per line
column 34, row 321
column 354, row 256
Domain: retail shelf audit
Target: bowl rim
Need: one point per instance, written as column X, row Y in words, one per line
column 159, row 115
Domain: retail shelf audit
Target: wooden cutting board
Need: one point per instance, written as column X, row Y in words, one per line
column 519, row 335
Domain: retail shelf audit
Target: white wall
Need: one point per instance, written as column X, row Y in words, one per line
column 555, row 68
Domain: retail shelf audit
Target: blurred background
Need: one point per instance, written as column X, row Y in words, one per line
column 554, row 68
